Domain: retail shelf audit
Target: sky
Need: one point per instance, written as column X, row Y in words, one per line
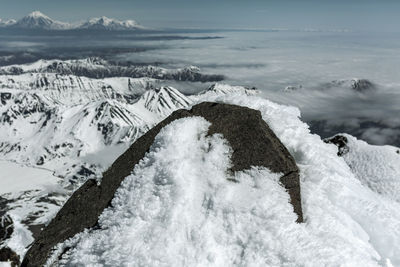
column 318, row 14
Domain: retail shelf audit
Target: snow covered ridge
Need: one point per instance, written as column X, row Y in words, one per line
column 198, row 218
column 37, row 20
column 99, row 68
column 383, row 175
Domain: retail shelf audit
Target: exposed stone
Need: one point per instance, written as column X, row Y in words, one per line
column 341, row 142
column 362, row 85
column 8, row 255
column 6, row 223
column 253, row 144
column 6, row 228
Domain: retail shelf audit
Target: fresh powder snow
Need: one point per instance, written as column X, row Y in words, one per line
column 377, row 167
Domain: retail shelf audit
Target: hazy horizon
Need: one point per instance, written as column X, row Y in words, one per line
column 368, row 15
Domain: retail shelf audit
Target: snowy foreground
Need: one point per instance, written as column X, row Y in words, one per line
column 177, row 208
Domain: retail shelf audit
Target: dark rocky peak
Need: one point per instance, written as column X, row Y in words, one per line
column 361, row 85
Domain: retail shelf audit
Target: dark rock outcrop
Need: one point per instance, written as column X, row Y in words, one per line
column 8, row 255
column 341, row 142
column 6, row 228
column 253, row 144
column 361, row 85
column 6, row 223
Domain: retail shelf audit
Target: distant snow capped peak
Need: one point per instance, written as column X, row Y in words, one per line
column 38, row 20
column 5, row 23
column 37, row 14
column 164, row 100
column 105, row 23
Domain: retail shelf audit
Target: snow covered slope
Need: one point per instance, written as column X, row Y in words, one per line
column 164, row 101
column 178, row 208
column 377, row 167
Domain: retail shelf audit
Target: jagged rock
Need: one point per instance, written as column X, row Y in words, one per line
column 253, row 144
column 8, row 255
column 341, row 142
column 6, row 223
column 361, row 85
column 6, row 228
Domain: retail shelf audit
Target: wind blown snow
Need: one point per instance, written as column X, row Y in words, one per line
column 178, row 207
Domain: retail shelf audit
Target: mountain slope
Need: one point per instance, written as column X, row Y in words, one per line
column 377, row 167
column 164, row 101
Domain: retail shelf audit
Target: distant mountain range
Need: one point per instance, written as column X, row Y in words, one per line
column 39, row 21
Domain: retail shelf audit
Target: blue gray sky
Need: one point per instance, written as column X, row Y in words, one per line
column 376, row 15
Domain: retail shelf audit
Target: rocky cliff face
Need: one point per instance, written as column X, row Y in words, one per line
column 253, row 143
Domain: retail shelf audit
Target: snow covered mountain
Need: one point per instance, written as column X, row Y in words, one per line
column 38, row 20
column 104, row 23
column 66, row 121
